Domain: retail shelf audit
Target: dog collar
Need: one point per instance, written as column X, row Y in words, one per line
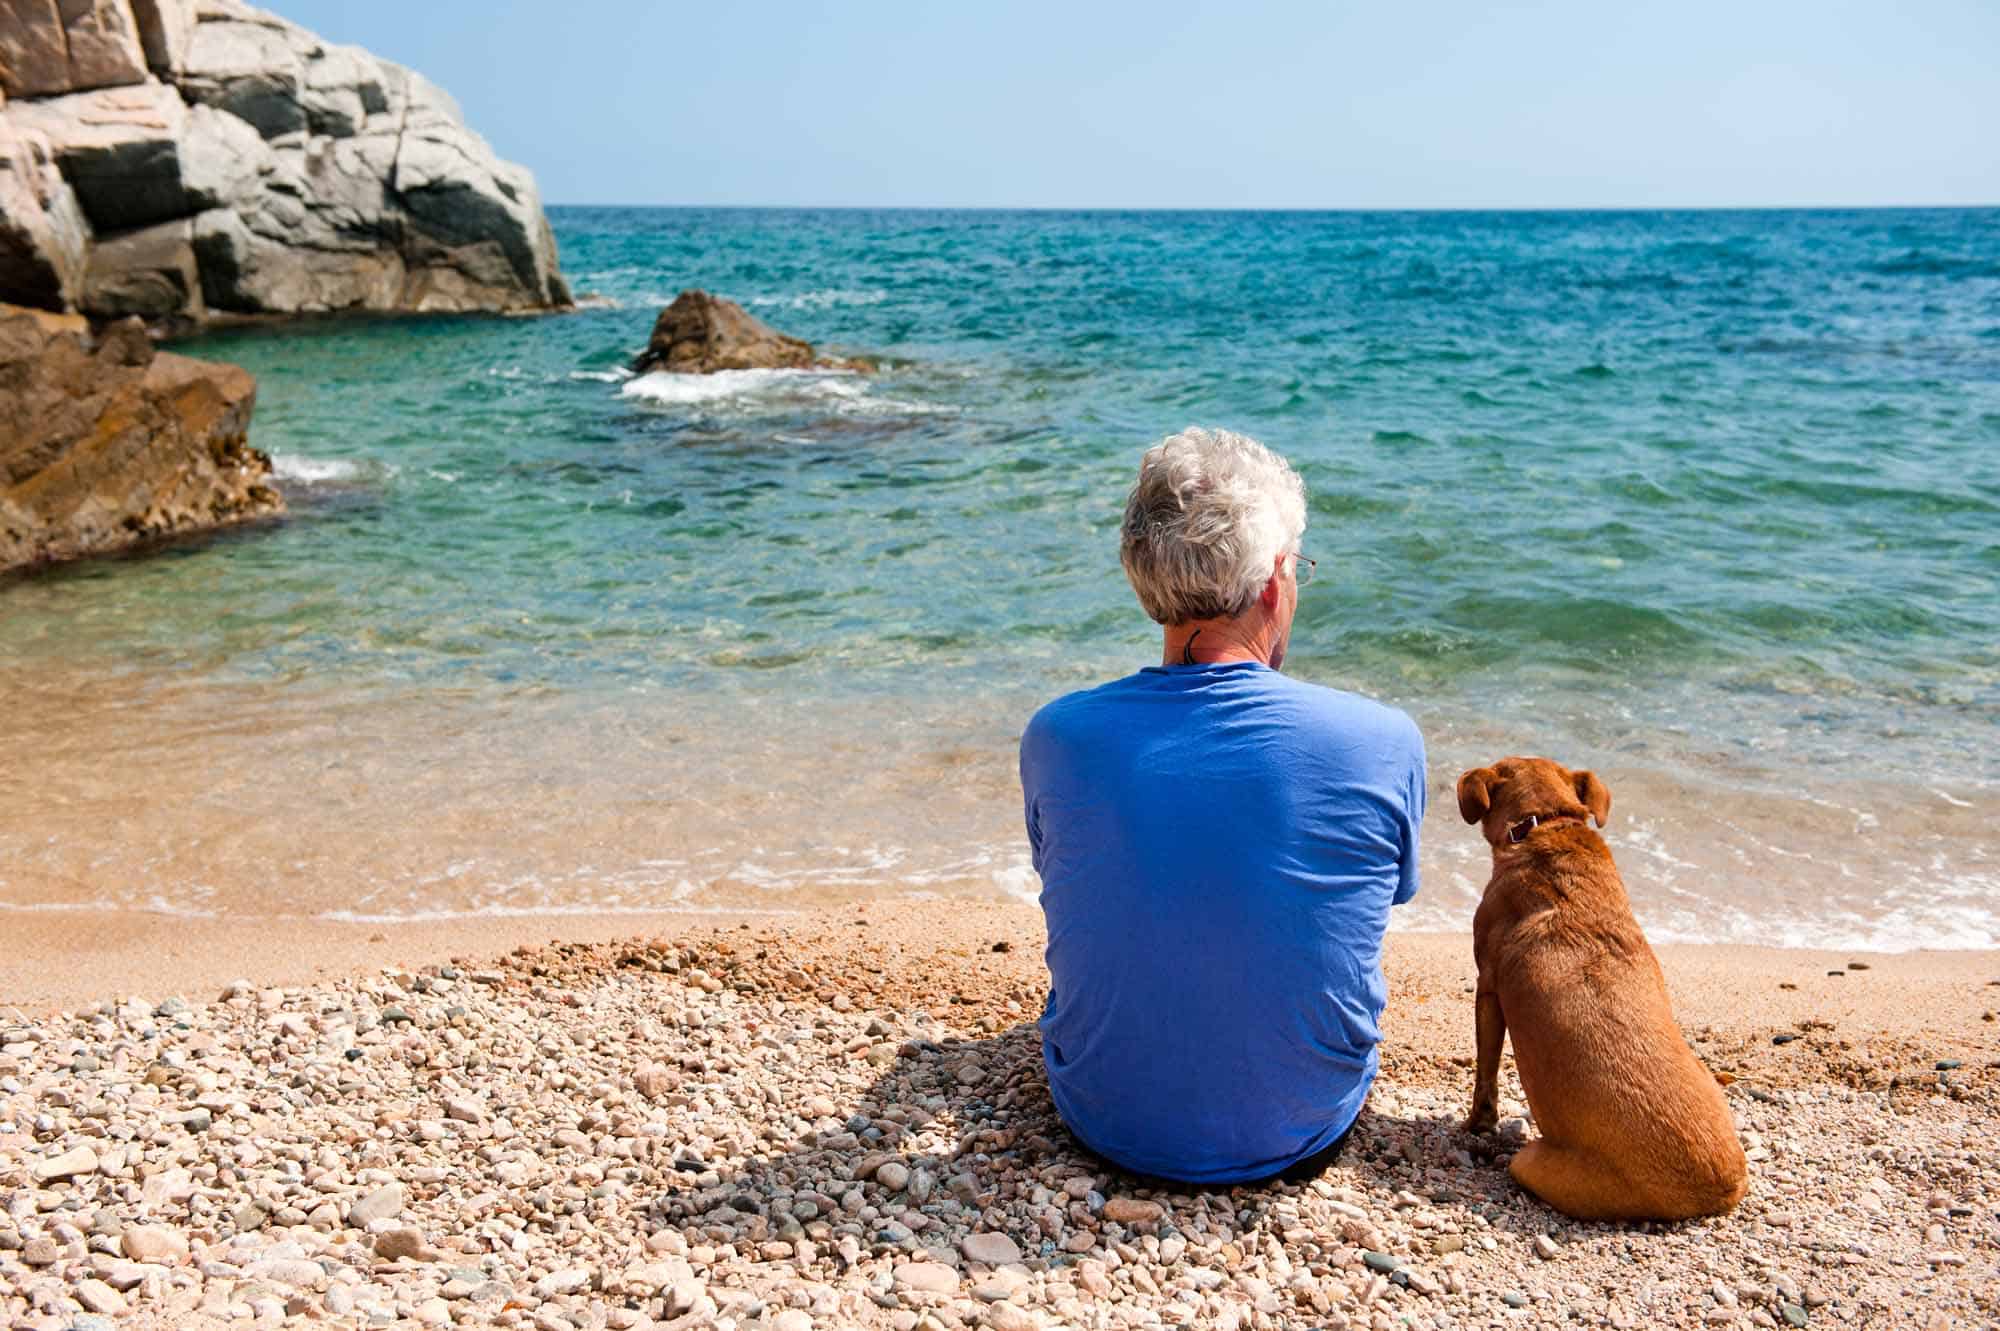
column 1518, row 832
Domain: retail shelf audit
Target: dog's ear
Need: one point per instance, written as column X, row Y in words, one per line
column 1475, row 793
column 1596, row 796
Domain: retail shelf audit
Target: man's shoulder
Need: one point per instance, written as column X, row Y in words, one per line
column 1353, row 713
column 1074, row 708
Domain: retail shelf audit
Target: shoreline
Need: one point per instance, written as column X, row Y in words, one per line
column 838, row 1119
column 71, row 958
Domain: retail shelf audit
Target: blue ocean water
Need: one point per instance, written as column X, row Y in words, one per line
column 1708, row 500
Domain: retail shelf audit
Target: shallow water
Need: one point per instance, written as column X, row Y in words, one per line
column 1706, row 501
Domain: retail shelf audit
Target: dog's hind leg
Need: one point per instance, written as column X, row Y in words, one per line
column 1490, row 1026
column 1576, row 1183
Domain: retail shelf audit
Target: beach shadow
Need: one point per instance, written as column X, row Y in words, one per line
column 958, row 1135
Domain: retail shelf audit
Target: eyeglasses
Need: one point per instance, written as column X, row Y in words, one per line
column 1303, row 568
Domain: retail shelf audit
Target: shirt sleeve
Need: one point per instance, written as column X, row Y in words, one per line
column 1416, row 793
column 1028, row 813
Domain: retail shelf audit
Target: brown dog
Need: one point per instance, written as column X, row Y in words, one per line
column 1632, row 1125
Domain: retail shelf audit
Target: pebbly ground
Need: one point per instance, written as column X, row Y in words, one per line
column 844, row 1123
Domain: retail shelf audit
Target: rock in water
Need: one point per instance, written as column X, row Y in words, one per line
column 105, row 442
column 187, row 159
column 700, row 334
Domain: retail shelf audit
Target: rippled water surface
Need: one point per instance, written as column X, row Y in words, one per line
column 1708, row 501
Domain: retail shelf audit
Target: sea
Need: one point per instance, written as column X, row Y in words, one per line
column 1707, row 502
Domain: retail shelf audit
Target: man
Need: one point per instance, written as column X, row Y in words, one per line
column 1219, row 847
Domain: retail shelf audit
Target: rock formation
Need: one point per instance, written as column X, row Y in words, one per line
column 105, row 442
column 186, row 159
column 700, row 333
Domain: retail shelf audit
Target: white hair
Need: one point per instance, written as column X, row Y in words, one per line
column 1207, row 519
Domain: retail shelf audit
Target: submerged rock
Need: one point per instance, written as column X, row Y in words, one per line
column 105, row 442
column 185, row 160
column 701, row 333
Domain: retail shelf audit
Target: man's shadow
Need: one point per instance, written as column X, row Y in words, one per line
column 957, row 1136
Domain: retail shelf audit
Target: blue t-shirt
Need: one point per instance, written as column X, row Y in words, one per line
column 1219, row 847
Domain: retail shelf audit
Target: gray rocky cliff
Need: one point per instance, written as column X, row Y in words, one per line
column 184, row 160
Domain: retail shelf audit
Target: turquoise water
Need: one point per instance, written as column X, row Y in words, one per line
column 1709, row 500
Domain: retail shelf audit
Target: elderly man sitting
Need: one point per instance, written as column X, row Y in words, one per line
column 1219, row 847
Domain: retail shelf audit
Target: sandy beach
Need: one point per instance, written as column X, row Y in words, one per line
column 839, row 1119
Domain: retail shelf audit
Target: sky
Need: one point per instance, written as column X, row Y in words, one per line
column 1251, row 104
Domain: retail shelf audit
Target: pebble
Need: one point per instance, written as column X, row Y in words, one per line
column 70, row 1164
column 992, row 1249
column 395, row 1244
column 927, row 1277
column 385, row 1203
column 100, row 1297
column 162, row 1245
column 571, row 1142
column 1133, row 1211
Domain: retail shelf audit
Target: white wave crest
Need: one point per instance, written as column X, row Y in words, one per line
column 617, row 376
column 820, row 300
column 670, row 389
column 313, row 471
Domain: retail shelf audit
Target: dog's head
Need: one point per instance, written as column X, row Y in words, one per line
column 1514, row 790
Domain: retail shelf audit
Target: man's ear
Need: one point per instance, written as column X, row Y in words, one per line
column 1475, row 793
column 1268, row 597
column 1596, row 796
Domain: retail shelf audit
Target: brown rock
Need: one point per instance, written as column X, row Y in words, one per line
column 1132, row 1211
column 105, row 443
column 56, row 46
column 700, row 334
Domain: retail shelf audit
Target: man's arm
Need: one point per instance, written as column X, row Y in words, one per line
column 1416, row 790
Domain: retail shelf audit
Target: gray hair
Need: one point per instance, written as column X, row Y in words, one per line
column 1210, row 514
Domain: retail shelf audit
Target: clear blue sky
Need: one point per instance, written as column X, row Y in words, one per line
column 1257, row 103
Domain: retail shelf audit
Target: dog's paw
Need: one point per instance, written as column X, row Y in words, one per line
column 1482, row 1120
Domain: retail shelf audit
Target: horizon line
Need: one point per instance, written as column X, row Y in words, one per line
column 1369, row 208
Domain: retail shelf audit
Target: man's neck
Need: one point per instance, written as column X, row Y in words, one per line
column 1213, row 642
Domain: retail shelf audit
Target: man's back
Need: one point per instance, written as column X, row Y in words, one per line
column 1219, row 847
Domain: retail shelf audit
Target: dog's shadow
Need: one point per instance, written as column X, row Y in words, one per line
column 976, row 1145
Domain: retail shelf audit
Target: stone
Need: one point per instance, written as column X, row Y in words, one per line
column 893, row 1175
column 654, row 1081
column 1793, row 1314
column 385, row 1203
column 926, row 1277
column 1545, row 1248
column 48, row 47
column 121, row 444
column 990, row 1248
column 700, row 333
column 1380, row 1261
column 396, row 1244
column 1133, row 1211
column 792, row 1319
column 464, row 1109
column 566, row 1281
column 70, row 1164
column 99, row 1297
column 1008, row 1317
column 40, row 1252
